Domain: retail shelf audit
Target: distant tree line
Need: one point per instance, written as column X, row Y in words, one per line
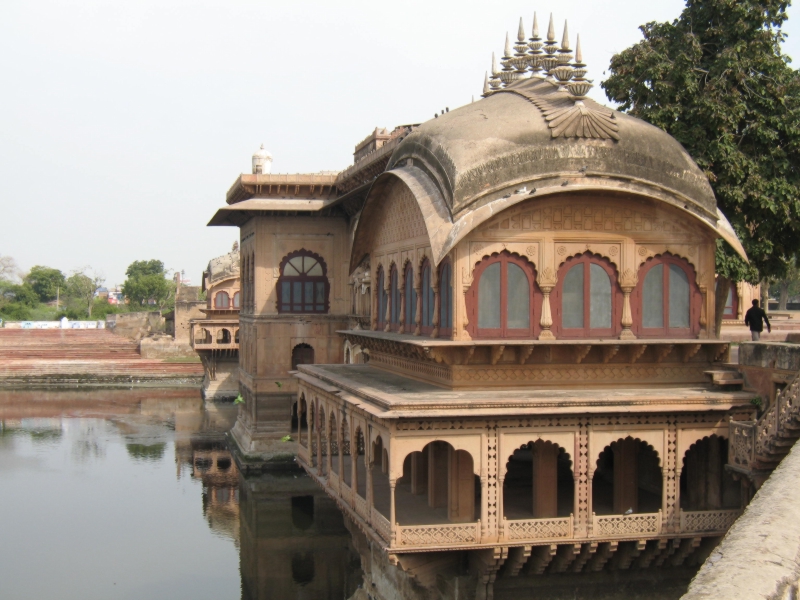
column 46, row 293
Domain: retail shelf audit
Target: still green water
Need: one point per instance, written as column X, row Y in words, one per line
column 133, row 494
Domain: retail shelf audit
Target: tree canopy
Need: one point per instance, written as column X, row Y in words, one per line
column 716, row 80
column 82, row 286
column 46, row 282
column 147, row 281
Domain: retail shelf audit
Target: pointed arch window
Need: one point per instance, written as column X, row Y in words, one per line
column 382, row 299
column 502, row 298
column 411, row 299
column 445, row 299
column 222, row 300
column 427, row 298
column 303, row 284
column 237, row 300
column 587, row 301
column 666, row 301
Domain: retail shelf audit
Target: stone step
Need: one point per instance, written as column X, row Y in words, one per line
column 725, row 377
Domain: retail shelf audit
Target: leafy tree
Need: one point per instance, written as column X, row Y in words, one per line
column 82, row 286
column 147, row 281
column 788, row 285
column 8, row 268
column 716, row 80
column 46, row 282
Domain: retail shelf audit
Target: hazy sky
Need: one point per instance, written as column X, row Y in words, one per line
column 123, row 124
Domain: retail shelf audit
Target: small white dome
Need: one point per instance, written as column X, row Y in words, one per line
column 262, row 161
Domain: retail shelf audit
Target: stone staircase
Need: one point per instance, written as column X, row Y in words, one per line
column 757, row 447
column 83, row 357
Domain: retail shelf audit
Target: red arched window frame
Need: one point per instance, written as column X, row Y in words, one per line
column 303, row 287
column 222, row 301
column 695, row 299
column 446, row 303
column 557, row 299
column 382, row 299
column 473, row 301
column 426, row 291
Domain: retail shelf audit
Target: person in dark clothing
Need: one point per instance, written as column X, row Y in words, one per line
column 755, row 318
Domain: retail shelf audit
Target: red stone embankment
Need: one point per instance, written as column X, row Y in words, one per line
column 83, row 357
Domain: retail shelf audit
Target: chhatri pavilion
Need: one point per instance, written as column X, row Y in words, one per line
column 495, row 331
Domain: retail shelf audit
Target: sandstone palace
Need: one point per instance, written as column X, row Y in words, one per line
column 492, row 336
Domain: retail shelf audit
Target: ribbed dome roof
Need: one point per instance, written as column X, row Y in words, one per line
column 530, row 134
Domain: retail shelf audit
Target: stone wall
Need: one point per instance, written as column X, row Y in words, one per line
column 135, row 325
column 759, row 558
column 767, row 366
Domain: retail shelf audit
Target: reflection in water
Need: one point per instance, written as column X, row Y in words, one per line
column 134, row 494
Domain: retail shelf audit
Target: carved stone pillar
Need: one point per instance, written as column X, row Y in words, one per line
column 704, row 308
column 714, row 475
column 545, row 480
column 546, row 320
column 461, row 487
column 437, row 474
column 436, row 300
column 583, row 471
column 419, row 472
column 368, row 462
column 501, row 531
column 418, row 316
column 626, row 475
column 671, row 469
column 387, row 285
column 627, row 315
column 402, row 315
column 392, row 512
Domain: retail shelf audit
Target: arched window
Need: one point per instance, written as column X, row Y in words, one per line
column 587, row 301
column 302, row 354
column 303, row 284
column 222, row 300
column 427, row 299
column 502, row 298
column 383, row 299
column 666, row 301
column 445, row 299
column 394, row 292
column 237, row 299
column 411, row 299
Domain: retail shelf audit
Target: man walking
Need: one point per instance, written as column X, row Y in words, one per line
column 755, row 317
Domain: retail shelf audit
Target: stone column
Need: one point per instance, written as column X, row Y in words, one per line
column 419, row 472
column 418, row 316
column 437, row 474
column 461, row 487
column 714, row 475
column 387, row 289
column 626, row 475
column 368, row 461
column 392, row 512
column 545, row 480
column 627, row 315
column 546, row 320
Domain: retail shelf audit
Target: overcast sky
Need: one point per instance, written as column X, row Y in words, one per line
column 123, row 124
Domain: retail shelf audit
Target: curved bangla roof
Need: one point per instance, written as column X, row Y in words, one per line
column 223, row 267
column 530, row 140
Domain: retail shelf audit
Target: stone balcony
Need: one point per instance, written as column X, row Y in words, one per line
column 215, row 334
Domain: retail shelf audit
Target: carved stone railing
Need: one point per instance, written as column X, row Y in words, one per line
column 346, row 492
column 765, row 441
column 361, row 507
column 742, row 449
column 333, row 481
column 381, row 525
column 538, row 529
column 611, row 526
column 708, row 521
column 449, row 534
